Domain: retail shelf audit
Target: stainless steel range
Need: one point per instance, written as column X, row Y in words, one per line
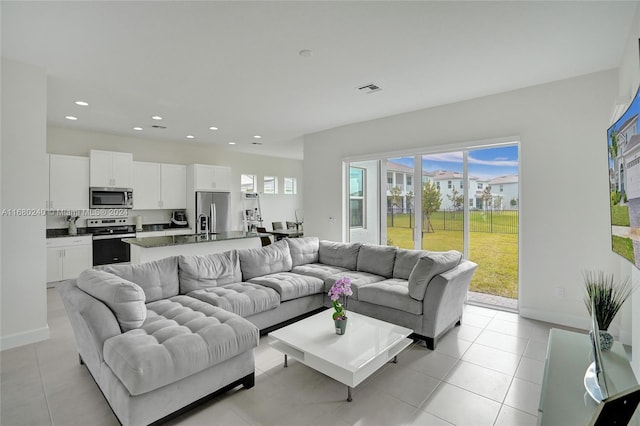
column 107, row 240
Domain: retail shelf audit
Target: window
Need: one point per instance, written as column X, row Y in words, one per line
column 461, row 184
column 409, row 180
column 248, row 183
column 501, row 188
column 290, row 186
column 270, row 185
column 449, row 184
column 356, row 197
column 479, row 185
column 438, row 185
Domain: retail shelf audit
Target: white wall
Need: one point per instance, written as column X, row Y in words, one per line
column 562, row 129
column 24, row 185
column 278, row 207
column 628, row 83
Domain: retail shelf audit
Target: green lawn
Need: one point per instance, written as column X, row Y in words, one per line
column 624, row 247
column 620, row 215
column 496, row 254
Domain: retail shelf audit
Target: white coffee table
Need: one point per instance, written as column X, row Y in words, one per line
column 367, row 345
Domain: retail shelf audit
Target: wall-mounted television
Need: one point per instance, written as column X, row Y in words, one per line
column 623, row 143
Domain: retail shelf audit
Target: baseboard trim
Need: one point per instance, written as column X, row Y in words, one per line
column 560, row 318
column 24, row 338
column 582, row 323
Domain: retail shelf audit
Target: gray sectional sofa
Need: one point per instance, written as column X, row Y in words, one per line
column 162, row 336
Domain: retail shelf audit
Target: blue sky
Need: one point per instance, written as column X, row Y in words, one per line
column 633, row 109
column 483, row 163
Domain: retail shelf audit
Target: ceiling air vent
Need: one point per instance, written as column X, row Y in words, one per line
column 155, row 126
column 369, row 88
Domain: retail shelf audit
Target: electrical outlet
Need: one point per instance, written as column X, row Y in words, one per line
column 560, row 292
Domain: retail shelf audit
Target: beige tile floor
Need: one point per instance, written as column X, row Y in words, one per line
column 486, row 372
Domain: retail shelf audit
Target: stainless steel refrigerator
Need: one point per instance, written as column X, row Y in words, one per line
column 213, row 212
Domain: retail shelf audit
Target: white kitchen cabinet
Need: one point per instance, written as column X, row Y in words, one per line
column 159, row 186
column 146, row 185
column 111, row 169
column 173, row 186
column 68, row 182
column 68, row 256
column 212, row 178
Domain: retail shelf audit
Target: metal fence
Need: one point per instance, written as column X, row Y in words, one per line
column 492, row 221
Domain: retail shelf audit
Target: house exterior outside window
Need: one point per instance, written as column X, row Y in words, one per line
column 290, row 186
column 270, row 185
column 357, row 177
column 248, row 183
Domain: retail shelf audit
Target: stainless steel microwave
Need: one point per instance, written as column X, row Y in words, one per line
column 110, row 198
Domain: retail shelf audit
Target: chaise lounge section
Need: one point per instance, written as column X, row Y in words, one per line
column 161, row 336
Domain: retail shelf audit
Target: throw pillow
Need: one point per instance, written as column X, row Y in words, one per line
column 124, row 298
column 429, row 266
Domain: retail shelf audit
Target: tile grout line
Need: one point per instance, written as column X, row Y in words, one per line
column 44, row 390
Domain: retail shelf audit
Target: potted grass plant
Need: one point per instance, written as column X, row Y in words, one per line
column 606, row 295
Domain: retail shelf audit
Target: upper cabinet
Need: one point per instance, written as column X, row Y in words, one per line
column 173, row 186
column 111, row 169
column 68, row 182
column 159, row 186
column 212, row 178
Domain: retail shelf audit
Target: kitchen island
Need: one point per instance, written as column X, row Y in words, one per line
column 154, row 248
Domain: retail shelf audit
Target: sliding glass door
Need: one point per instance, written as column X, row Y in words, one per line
column 399, row 205
column 465, row 200
column 443, row 200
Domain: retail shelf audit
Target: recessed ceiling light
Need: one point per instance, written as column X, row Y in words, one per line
column 157, row 117
column 257, row 137
column 305, row 53
column 213, row 128
column 137, row 128
column 82, row 103
column 190, row 137
column 71, row 117
column 256, row 143
column 232, row 143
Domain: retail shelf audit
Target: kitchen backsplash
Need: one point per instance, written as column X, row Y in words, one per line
column 148, row 217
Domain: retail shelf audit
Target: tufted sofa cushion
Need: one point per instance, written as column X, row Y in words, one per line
column 303, row 250
column 265, row 260
column 290, row 285
column 124, row 298
column 344, row 255
column 378, row 260
column 180, row 337
column 318, row 270
column 429, row 266
column 197, row 272
column 244, row 299
column 392, row 293
column 358, row 280
column 158, row 279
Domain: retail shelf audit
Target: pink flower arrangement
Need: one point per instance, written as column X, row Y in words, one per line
column 340, row 289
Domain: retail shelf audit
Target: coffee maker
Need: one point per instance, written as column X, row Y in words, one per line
column 178, row 219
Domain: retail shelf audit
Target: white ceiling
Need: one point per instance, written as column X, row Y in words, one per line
column 235, row 65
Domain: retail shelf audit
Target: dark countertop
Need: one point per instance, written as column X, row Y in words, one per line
column 175, row 240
